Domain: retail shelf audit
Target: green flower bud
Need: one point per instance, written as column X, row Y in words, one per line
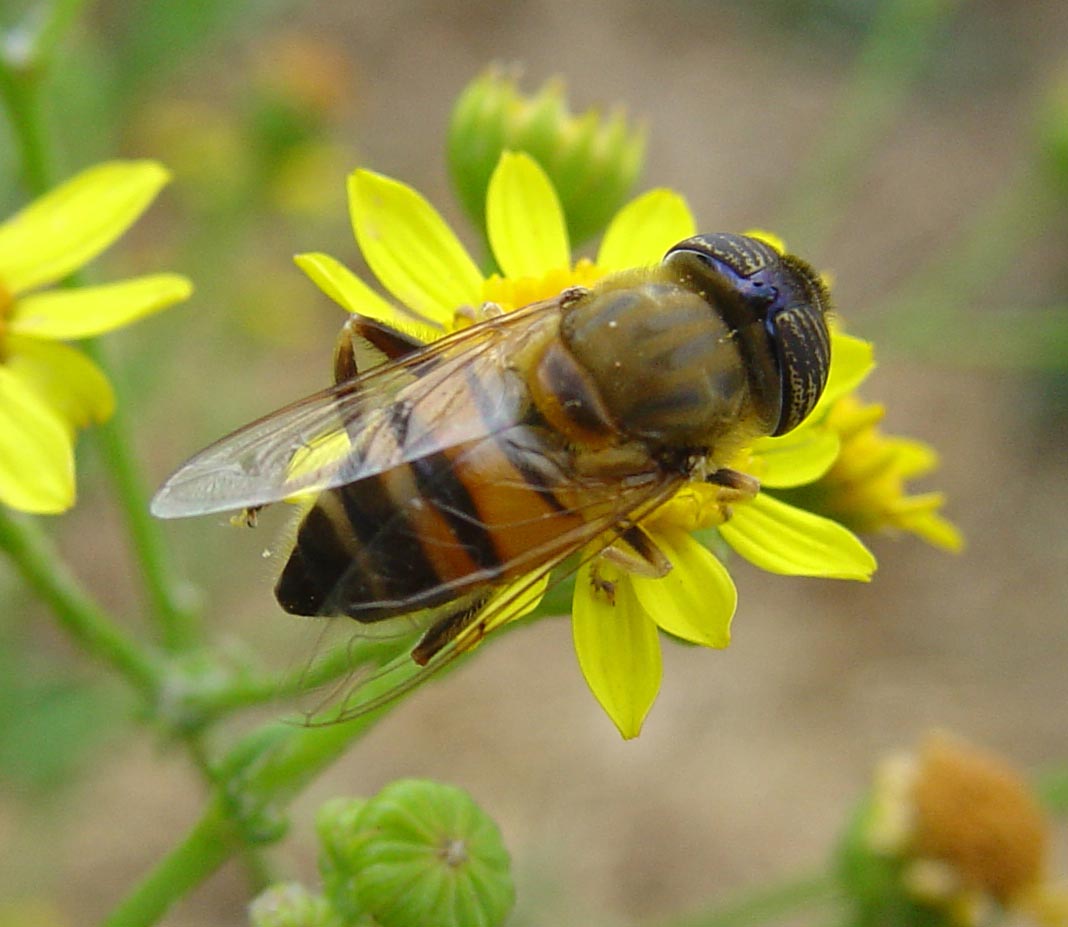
column 290, row 904
column 1053, row 137
column 418, row 854
column 336, row 827
column 339, row 835
column 592, row 160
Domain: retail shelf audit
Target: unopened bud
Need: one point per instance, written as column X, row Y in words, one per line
column 593, row 160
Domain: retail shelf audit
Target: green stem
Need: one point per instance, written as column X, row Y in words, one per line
column 261, row 775
column 256, row 865
column 769, row 902
column 32, row 43
column 20, row 85
column 171, row 600
column 18, row 89
column 206, row 847
column 41, row 567
column 247, row 689
column 23, row 63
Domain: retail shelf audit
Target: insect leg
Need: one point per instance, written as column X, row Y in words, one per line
column 446, row 629
column 636, row 552
column 734, row 485
column 364, row 344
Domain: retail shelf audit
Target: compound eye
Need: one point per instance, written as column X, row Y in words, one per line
column 741, row 255
column 803, row 350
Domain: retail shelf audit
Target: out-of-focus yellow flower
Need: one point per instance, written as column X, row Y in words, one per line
column 617, row 615
column 48, row 389
column 866, row 488
column 593, row 161
column 966, row 837
column 206, row 151
column 311, row 74
column 302, row 85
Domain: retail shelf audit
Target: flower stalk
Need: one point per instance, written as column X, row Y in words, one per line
column 21, row 72
column 82, row 618
column 258, row 779
column 171, row 600
column 210, row 843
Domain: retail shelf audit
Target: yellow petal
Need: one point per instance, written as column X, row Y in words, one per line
column 514, row 601
column 93, row 310
column 617, row 647
column 852, row 359
column 797, row 457
column 524, row 220
column 36, row 456
column 411, row 249
column 913, row 458
column 65, row 378
column 781, row 538
column 696, row 600
column 321, row 452
column 62, row 230
column 643, row 230
column 351, row 293
column 919, row 514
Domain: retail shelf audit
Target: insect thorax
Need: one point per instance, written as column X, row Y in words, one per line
column 665, row 365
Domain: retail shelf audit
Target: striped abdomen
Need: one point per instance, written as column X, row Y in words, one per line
column 420, row 534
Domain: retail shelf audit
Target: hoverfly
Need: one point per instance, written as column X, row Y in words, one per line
column 453, row 470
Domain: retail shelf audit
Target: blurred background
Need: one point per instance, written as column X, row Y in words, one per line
column 906, row 148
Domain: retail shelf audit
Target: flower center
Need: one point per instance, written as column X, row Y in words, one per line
column 979, row 816
column 513, row 292
column 693, row 507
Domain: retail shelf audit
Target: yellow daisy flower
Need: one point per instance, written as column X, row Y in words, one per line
column 616, row 614
column 47, row 388
column 866, row 487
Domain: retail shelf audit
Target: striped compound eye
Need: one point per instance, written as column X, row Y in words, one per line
column 777, row 305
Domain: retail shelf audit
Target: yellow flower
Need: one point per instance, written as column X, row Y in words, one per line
column 48, row 389
column 616, row 614
column 866, row 490
column 966, row 834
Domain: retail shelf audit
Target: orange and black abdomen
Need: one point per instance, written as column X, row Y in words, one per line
column 421, row 534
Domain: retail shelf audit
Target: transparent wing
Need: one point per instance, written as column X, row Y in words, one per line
column 365, row 691
column 350, row 431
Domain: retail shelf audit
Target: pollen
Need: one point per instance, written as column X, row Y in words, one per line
column 512, row 293
column 694, row 507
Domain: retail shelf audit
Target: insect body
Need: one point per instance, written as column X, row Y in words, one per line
column 459, row 467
